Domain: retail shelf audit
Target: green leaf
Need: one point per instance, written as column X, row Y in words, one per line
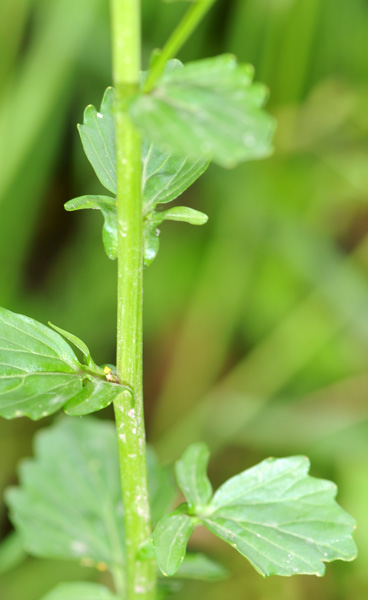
column 161, row 485
column 191, row 474
column 78, row 343
column 39, row 372
column 72, row 508
column 98, row 139
column 282, row 520
column 170, row 539
column 208, row 108
column 80, row 591
column 181, row 213
column 68, row 505
column 167, row 588
column 95, row 395
column 107, row 206
column 38, row 369
column 201, row 567
column 12, row 553
column 166, row 176
column 151, row 241
column 151, row 232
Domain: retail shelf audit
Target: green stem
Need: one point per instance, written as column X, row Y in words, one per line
column 140, row 574
column 177, row 39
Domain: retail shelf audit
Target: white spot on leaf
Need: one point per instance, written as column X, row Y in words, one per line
column 78, row 547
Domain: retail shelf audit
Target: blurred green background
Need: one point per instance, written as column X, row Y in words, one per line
column 256, row 326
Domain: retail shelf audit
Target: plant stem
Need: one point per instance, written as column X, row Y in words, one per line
column 180, row 35
column 126, row 40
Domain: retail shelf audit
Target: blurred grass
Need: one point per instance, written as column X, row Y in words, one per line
column 256, row 326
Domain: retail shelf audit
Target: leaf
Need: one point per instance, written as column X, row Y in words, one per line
column 282, row 520
column 80, row 591
column 107, row 206
column 161, row 487
column 166, row 176
column 11, row 553
column 39, row 372
column 38, row 369
column 151, row 241
column 191, row 474
column 68, row 503
column 98, row 139
column 167, row 588
column 201, row 567
column 95, row 395
column 77, row 342
column 151, row 232
column 206, row 109
column 170, row 539
column 181, row 213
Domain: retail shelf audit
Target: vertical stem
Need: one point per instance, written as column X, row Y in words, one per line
column 126, row 42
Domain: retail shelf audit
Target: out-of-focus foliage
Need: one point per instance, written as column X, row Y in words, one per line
column 184, row 112
column 256, row 326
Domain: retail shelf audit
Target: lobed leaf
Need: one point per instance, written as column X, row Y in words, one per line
column 206, row 109
column 39, row 372
column 284, row 521
column 170, row 539
column 277, row 516
column 72, row 508
column 191, row 474
column 80, row 591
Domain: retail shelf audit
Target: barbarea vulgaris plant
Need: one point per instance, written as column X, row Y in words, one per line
column 93, row 491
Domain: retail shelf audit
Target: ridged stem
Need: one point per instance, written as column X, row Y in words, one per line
column 140, row 575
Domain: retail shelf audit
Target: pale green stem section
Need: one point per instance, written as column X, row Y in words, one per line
column 177, row 39
column 140, row 575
